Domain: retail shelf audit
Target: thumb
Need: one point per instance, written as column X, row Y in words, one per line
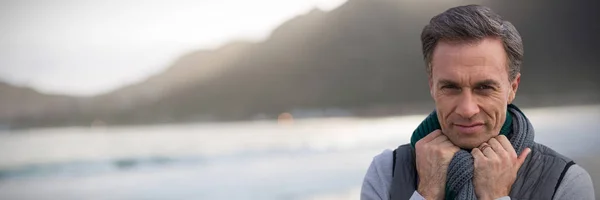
column 523, row 156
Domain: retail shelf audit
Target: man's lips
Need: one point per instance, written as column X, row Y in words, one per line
column 469, row 125
column 469, row 128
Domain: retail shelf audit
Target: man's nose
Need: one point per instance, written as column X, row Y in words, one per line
column 467, row 107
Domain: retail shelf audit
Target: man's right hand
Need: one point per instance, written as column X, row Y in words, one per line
column 434, row 153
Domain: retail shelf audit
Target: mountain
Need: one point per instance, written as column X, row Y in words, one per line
column 367, row 53
column 193, row 68
column 25, row 105
column 363, row 56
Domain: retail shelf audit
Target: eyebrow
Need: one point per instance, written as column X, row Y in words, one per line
column 447, row 82
column 484, row 82
column 488, row 82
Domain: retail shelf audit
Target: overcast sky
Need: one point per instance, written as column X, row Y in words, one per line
column 86, row 47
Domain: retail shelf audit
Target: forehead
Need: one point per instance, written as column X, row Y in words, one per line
column 485, row 59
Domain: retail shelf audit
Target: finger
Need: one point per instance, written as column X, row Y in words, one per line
column 449, row 144
column 477, row 154
column 446, row 143
column 497, row 147
column 483, row 146
column 523, row 156
column 429, row 137
column 489, row 152
column 439, row 139
column 507, row 145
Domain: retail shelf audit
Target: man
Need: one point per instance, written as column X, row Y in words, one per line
column 476, row 144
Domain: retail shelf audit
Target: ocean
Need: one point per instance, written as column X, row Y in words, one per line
column 306, row 159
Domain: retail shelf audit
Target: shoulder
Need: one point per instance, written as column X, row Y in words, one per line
column 382, row 164
column 378, row 179
column 576, row 184
column 576, row 172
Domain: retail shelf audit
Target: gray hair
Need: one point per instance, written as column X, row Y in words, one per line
column 472, row 23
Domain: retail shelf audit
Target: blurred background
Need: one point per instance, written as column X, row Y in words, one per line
column 262, row 99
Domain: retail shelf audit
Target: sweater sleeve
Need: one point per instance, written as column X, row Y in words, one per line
column 576, row 184
column 378, row 179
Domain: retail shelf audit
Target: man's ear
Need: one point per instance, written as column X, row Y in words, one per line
column 514, row 85
column 430, row 80
column 431, row 87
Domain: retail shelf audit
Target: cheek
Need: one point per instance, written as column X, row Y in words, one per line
column 444, row 106
column 493, row 106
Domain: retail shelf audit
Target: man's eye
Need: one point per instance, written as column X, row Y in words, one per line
column 484, row 87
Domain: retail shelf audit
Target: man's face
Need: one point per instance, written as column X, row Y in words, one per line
column 471, row 89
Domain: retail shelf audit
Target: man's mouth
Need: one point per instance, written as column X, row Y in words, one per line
column 469, row 125
column 469, row 128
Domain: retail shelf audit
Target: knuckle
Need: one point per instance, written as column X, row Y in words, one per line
column 493, row 140
column 455, row 149
column 502, row 137
column 475, row 152
column 510, row 148
column 442, row 135
column 425, row 146
column 420, row 145
column 435, row 133
column 438, row 151
column 444, row 152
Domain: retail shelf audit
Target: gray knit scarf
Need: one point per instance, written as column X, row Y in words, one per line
column 459, row 183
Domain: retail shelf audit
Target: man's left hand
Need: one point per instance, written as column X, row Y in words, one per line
column 496, row 167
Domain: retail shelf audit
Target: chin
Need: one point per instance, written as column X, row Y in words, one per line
column 469, row 143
